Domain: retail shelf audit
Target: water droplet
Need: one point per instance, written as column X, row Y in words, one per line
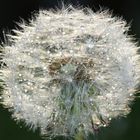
column 107, row 58
column 29, row 53
column 109, row 118
column 91, row 100
column 71, row 51
column 25, row 90
column 63, row 33
column 19, row 74
column 44, row 68
column 29, row 83
column 104, row 125
column 48, row 52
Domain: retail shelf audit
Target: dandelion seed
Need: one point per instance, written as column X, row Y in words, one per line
column 69, row 71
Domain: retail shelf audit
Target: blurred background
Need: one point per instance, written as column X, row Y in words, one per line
column 12, row 11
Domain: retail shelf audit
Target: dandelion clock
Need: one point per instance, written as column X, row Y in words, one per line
column 69, row 71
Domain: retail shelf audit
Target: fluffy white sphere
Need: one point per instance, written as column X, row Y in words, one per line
column 70, row 71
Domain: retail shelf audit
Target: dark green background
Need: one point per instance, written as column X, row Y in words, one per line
column 12, row 10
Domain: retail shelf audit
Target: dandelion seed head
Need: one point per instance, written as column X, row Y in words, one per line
column 70, row 70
